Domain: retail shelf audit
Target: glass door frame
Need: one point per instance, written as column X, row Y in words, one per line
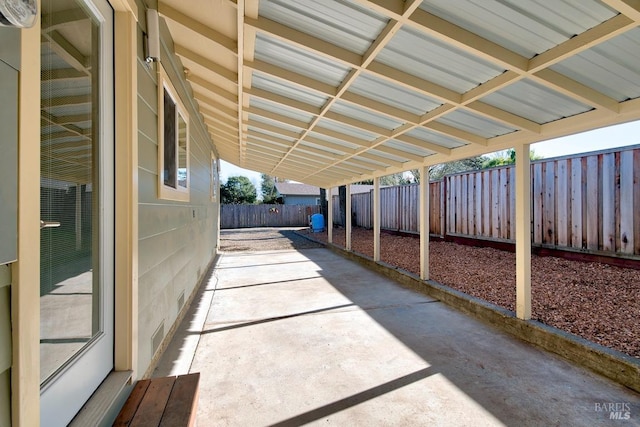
column 62, row 396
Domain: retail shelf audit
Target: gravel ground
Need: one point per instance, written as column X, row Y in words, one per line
column 596, row 301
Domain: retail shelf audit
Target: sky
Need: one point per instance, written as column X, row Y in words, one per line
column 599, row 139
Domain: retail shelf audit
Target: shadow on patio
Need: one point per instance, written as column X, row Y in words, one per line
column 294, row 337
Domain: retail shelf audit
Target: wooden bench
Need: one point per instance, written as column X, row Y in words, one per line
column 165, row 401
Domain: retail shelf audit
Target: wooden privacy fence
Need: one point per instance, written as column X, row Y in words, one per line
column 588, row 203
column 243, row 216
column 399, row 208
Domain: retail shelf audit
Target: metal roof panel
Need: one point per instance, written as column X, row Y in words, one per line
column 275, row 123
column 347, row 130
column 409, row 148
column 342, row 23
column 374, row 163
column 476, row 124
column 525, row 97
column 295, row 59
column 282, row 110
column 428, row 135
column 437, row 62
column 334, row 141
column 330, row 151
column 391, row 94
column 527, row 28
column 268, row 133
column 280, row 87
column 611, row 67
column 365, row 115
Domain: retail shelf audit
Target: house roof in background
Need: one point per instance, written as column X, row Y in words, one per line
column 296, row 189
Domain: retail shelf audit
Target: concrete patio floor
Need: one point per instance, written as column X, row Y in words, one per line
column 295, row 337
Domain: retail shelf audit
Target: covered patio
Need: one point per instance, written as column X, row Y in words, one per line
column 302, row 335
column 335, row 92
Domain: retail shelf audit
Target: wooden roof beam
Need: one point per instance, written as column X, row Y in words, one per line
column 198, row 27
column 189, row 55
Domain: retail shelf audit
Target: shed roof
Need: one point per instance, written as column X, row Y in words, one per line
column 329, row 92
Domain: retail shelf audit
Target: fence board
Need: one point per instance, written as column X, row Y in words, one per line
column 471, row 205
column 608, row 202
column 576, row 203
column 463, row 224
column 593, row 203
column 626, row 202
column 495, row 204
column 561, row 199
column 504, row 203
column 441, row 206
column 537, row 204
column 243, row 216
column 485, row 217
column 435, row 212
column 636, row 200
column 548, row 210
column 512, row 203
column 477, row 204
column 450, row 206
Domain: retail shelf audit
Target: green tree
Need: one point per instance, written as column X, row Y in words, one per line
column 388, row 180
column 500, row 158
column 506, row 157
column 438, row 171
column 238, row 190
column 268, row 190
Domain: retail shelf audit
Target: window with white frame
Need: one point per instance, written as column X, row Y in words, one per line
column 173, row 144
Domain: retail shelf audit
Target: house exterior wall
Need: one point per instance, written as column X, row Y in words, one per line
column 10, row 63
column 177, row 240
column 300, row 200
column 5, row 345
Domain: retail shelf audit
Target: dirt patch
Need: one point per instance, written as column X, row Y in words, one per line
column 596, row 301
column 263, row 239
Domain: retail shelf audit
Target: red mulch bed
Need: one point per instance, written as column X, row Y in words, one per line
column 596, row 301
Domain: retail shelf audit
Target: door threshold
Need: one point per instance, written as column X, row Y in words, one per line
column 104, row 404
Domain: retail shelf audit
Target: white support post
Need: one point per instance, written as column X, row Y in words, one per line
column 523, row 232
column 329, row 216
column 126, row 188
column 424, row 223
column 25, row 292
column 348, row 219
column 376, row 219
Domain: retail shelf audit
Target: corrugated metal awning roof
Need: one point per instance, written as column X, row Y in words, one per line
column 337, row 91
